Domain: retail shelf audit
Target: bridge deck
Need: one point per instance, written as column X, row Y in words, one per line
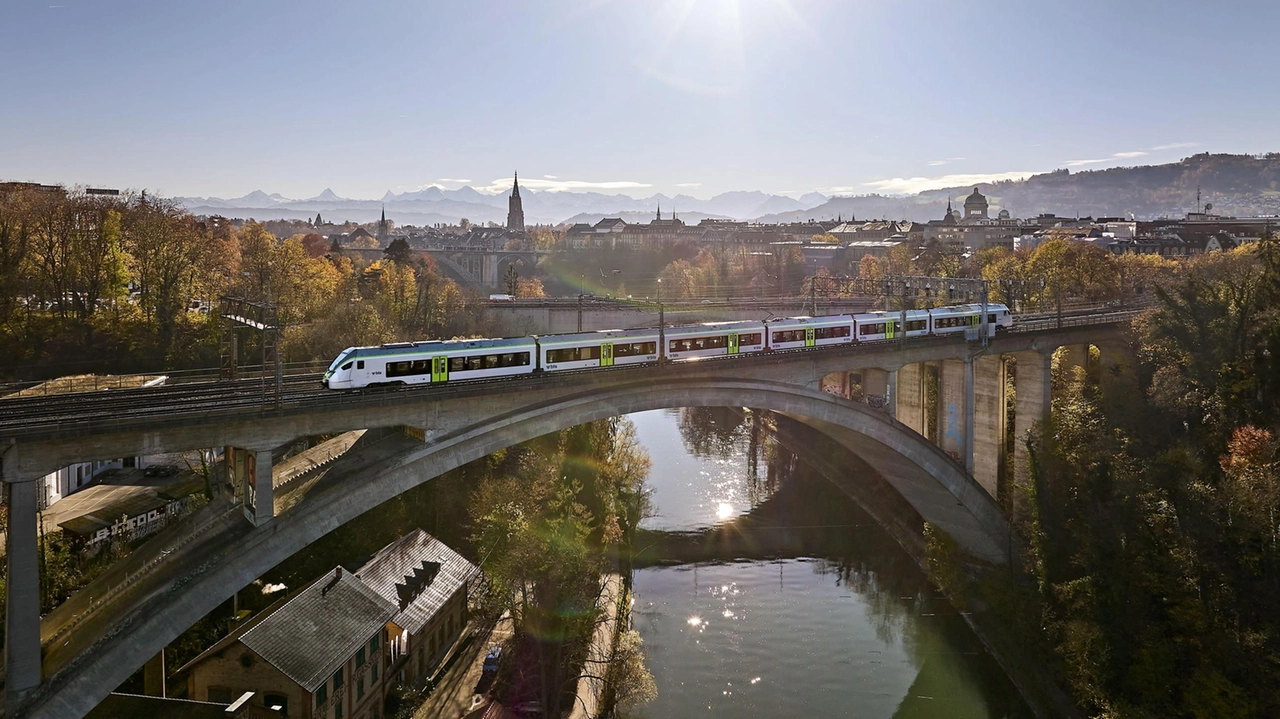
column 43, row 418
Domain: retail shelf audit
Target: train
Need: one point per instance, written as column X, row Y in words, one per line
column 441, row 361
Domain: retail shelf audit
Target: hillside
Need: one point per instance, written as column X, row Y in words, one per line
column 1237, row 185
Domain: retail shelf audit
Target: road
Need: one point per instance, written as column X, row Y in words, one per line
column 455, row 695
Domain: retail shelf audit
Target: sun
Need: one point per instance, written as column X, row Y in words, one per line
column 724, row 511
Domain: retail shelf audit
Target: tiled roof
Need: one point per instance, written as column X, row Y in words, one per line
column 418, row 573
column 320, row 628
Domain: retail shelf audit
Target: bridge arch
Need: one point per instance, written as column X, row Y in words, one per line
column 930, row 481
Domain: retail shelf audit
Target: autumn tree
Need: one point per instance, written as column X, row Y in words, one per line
column 169, row 253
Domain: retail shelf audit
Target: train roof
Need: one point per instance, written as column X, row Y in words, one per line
column 974, row 307
column 443, row 345
column 713, row 327
column 596, row 336
column 882, row 314
column 807, row 320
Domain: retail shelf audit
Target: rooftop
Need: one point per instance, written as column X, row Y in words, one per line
column 418, row 573
column 317, row 630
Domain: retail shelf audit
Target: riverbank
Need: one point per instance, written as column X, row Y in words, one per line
column 591, row 685
column 1038, row 686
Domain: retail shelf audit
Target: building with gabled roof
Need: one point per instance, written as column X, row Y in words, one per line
column 427, row 582
column 318, row 654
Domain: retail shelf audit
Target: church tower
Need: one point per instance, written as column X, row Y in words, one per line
column 382, row 226
column 515, row 211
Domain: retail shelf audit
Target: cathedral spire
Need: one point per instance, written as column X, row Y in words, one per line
column 515, row 209
column 659, row 210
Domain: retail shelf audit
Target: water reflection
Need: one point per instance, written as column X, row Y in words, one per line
column 704, row 466
column 800, row 604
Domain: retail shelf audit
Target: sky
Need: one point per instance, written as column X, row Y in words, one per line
column 675, row 96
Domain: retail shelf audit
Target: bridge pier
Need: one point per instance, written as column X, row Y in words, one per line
column 992, row 419
column 875, row 382
column 249, row 482
column 891, row 394
column 910, row 397
column 264, row 507
column 1033, row 378
column 22, row 657
column 952, row 410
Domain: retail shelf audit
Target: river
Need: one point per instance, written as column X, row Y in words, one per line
column 811, row 609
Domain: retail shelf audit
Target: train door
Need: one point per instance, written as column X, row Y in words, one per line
column 889, row 328
column 440, row 369
column 733, row 343
column 606, row 354
column 810, row 337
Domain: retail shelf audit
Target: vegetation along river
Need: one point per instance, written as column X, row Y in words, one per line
column 766, row 592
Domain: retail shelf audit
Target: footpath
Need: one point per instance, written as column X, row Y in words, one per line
column 600, row 653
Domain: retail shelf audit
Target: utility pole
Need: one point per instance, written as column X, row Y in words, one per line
column 662, row 326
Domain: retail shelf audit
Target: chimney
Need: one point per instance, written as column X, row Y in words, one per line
column 337, row 577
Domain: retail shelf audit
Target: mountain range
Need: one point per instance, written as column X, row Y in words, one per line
column 1233, row 184
column 435, row 204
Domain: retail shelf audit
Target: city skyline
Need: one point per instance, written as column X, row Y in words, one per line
column 695, row 98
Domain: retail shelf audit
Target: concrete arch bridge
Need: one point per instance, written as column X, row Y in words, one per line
column 64, row 664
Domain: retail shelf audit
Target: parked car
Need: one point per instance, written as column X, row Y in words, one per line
column 160, row 470
column 491, row 660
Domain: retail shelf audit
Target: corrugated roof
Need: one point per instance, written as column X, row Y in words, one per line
column 320, row 628
column 418, row 573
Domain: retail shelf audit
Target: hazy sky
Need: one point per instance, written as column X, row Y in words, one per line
column 221, row 97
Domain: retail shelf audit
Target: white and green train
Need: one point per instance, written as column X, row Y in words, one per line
column 439, row 361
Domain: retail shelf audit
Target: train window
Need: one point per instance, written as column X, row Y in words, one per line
column 749, row 339
column 991, row 318
column 828, row 333
column 573, row 354
column 635, row 349
column 457, row 364
column 360, row 364
column 346, row 366
column 916, row 325
column 491, row 361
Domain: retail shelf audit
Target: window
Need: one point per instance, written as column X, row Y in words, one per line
column 635, row 349
column 830, row 333
column 375, row 643
column 373, row 672
column 337, row 711
column 272, row 701
column 574, row 354
column 360, row 658
column 346, row 366
column 337, row 679
column 322, row 695
column 497, row 361
column 360, row 689
column 359, row 364
column 694, row 344
column 749, row 339
column 408, row 368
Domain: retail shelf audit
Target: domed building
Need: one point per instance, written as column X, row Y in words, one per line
column 975, row 206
